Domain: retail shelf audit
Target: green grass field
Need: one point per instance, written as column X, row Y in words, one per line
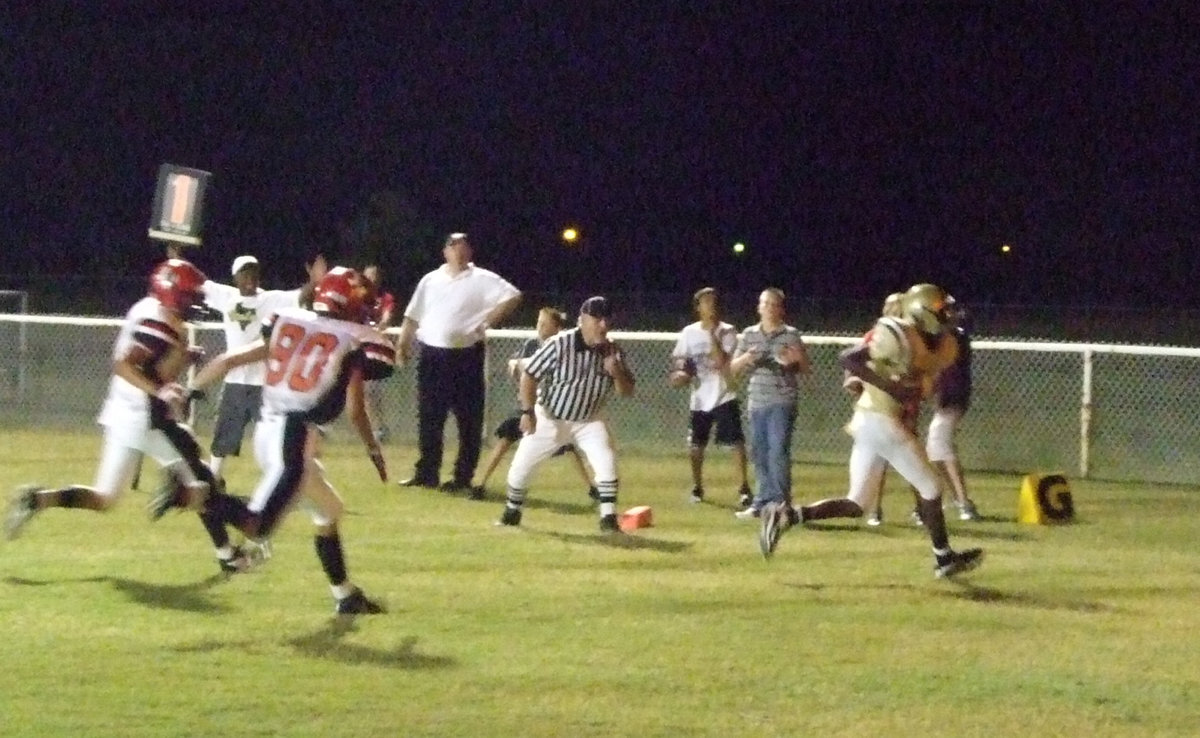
column 114, row 626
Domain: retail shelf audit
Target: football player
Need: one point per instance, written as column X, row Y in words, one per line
column 382, row 312
column 141, row 412
column 242, row 306
column 317, row 363
column 953, row 398
column 897, row 365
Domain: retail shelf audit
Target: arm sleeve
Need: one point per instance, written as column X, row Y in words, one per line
column 729, row 340
column 499, row 289
column 156, row 337
column 218, row 296
column 268, row 325
column 379, row 358
column 680, row 350
column 543, row 360
column 416, row 303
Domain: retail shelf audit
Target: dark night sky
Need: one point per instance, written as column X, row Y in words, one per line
column 854, row 147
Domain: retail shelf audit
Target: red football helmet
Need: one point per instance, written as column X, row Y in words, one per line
column 177, row 284
column 344, row 294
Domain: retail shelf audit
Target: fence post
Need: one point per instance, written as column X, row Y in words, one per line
column 1085, row 414
column 191, row 373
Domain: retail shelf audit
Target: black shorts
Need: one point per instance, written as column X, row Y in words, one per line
column 727, row 417
column 239, row 407
column 510, row 430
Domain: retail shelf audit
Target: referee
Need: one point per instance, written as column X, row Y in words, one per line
column 563, row 392
column 449, row 314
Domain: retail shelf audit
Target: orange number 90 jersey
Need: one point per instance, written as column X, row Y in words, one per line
column 310, row 358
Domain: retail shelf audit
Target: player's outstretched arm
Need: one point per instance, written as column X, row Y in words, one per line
column 223, row 364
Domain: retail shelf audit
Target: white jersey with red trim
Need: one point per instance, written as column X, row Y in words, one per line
column 147, row 325
column 309, row 361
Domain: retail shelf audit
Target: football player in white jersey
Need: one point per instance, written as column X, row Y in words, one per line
column 243, row 306
column 701, row 358
column 138, row 414
column 897, row 365
column 316, row 363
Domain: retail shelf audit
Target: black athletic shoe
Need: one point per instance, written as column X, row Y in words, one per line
column 609, row 524
column 21, row 508
column 476, row 492
column 957, row 562
column 697, row 494
column 358, row 604
column 511, row 516
column 454, row 487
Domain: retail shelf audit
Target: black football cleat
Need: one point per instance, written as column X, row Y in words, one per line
column 510, row 517
column 356, row 603
column 957, row 562
column 609, row 524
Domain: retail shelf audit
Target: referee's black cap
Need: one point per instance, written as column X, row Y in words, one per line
column 597, row 307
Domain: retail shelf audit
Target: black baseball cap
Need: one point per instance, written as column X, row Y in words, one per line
column 597, row 307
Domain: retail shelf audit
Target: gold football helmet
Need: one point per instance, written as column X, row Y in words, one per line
column 893, row 305
column 926, row 305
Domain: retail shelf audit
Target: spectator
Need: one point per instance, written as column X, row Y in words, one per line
column 701, row 358
column 449, row 314
column 773, row 354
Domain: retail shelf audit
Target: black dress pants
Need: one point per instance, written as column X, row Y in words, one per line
column 449, row 381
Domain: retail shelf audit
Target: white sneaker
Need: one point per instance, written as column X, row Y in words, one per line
column 749, row 513
column 967, row 511
column 875, row 518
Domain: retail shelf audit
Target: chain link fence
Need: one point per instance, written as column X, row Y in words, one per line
column 1101, row 410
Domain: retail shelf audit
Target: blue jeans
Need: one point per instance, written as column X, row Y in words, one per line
column 771, row 450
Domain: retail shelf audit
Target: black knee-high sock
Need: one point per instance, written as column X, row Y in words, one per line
column 333, row 561
column 935, row 523
column 221, row 509
column 74, row 496
column 216, row 529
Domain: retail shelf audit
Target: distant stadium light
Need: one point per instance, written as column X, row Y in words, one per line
column 739, row 247
column 1005, row 249
column 570, row 235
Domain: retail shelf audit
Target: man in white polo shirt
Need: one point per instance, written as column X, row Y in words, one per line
column 449, row 314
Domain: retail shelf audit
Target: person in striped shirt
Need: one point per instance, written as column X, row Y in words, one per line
column 550, row 321
column 563, row 392
column 773, row 355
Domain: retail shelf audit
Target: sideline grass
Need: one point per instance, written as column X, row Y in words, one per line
column 114, row 626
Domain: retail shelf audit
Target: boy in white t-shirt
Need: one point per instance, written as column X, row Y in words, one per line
column 701, row 358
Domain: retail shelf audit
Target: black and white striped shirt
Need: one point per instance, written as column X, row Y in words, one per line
column 572, row 384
